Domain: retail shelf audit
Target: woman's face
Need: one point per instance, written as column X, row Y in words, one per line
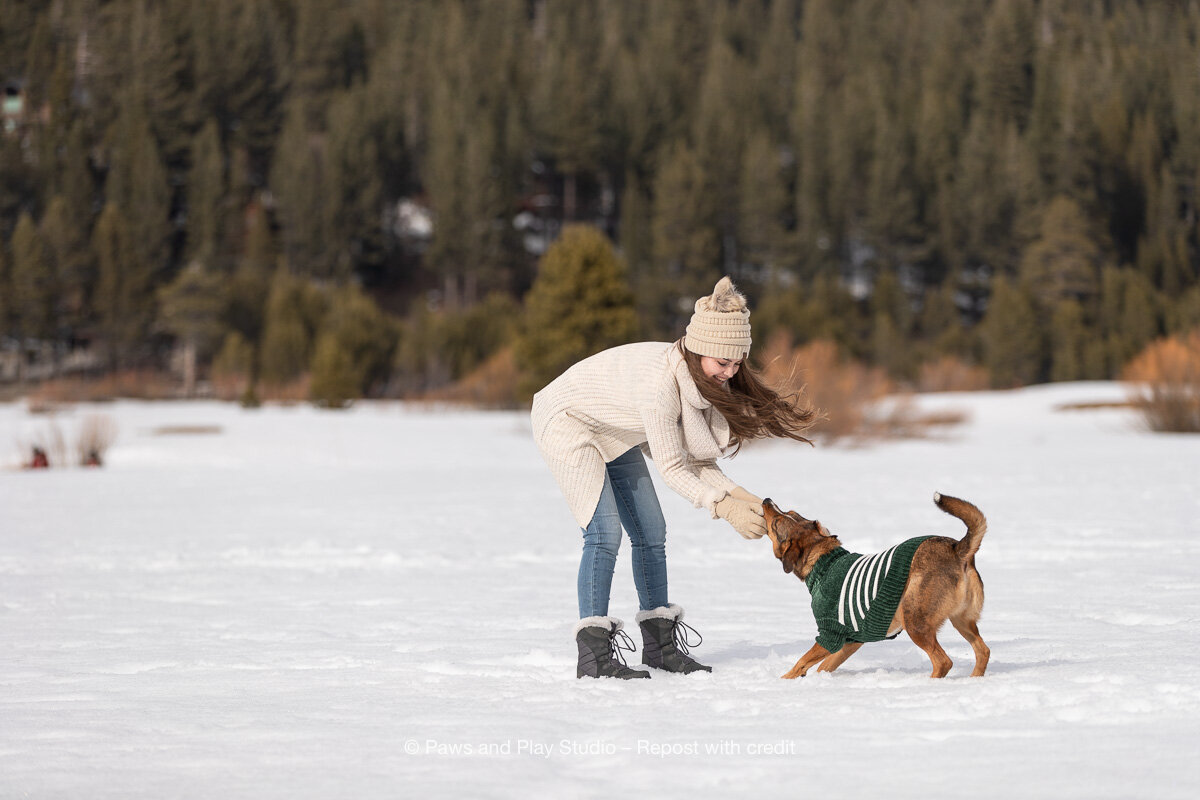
column 719, row 369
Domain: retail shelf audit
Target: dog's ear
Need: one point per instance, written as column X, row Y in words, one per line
column 790, row 555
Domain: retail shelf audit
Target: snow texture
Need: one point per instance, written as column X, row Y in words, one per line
column 379, row 603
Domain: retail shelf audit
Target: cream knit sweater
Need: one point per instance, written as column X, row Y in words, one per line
column 630, row 396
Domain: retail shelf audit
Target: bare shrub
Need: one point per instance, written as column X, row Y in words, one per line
column 493, row 384
column 950, row 374
column 286, row 392
column 854, row 401
column 97, row 433
column 1165, row 383
column 839, row 389
column 49, row 439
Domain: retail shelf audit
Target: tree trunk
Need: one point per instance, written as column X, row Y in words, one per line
column 189, row 367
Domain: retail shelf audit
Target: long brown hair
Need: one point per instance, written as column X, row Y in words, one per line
column 752, row 409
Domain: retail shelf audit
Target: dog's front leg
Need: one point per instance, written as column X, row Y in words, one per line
column 817, row 653
column 839, row 658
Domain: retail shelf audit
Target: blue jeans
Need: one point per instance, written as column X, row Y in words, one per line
column 627, row 499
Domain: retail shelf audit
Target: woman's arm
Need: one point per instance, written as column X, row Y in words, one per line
column 674, row 464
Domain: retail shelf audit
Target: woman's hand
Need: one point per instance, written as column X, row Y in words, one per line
column 746, row 518
column 741, row 494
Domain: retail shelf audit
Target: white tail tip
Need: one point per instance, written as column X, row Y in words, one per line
column 937, row 497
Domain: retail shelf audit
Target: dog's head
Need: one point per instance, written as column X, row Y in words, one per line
column 793, row 537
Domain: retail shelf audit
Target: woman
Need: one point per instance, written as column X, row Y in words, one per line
column 684, row 404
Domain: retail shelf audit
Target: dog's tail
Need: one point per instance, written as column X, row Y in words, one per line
column 973, row 518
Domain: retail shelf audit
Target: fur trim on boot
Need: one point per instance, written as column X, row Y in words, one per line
column 608, row 623
column 669, row 611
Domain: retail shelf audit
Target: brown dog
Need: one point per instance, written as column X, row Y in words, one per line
column 859, row 599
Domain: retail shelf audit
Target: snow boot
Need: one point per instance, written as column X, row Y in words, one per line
column 600, row 649
column 665, row 640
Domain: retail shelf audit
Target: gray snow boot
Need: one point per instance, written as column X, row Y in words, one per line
column 600, row 649
column 665, row 640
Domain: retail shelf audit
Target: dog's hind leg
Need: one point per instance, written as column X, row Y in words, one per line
column 969, row 629
column 815, row 654
column 839, row 658
column 924, row 636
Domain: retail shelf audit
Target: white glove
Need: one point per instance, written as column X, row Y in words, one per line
column 741, row 494
column 746, row 518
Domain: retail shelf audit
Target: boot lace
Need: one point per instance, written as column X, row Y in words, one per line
column 619, row 644
column 679, row 634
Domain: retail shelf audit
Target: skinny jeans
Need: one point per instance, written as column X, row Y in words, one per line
column 627, row 500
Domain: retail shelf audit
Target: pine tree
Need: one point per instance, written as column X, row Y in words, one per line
column 293, row 317
column 1012, row 339
column 32, row 280
column 579, row 304
column 722, row 116
column 69, row 254
column 686, row 249
column 299, row 180
column 637, row 243
column 1129, row 316
column 355, row 188
column 250, row 283
column 137, row 185
column 1163, row 253
column 891, row 326
column 1005, row 62
column 191, row 307
column 123, row 291
column 470, row 171
column 569, row 95
column 1068, row 341
column 6, row 298
column 1183, row 314
column 764, row 207
column 250, row 92
column 207, row 196
column 940, row 323
column 353, row 349
column 822, row 67
column 1064, row 262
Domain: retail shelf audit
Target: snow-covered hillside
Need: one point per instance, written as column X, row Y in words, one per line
column 290, row 603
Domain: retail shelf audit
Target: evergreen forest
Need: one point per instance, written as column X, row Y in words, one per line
column 392, row 198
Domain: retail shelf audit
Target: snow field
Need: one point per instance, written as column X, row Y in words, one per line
column 379, row 603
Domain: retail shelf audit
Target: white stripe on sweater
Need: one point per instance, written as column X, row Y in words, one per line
column 860, row 587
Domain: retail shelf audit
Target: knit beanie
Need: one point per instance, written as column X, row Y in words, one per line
column 720, row 327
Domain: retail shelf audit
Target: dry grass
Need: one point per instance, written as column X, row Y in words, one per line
column 131, row 384
column 97, row 432
column 229, row 386
column 1093, row 406
column 290, row 393
column 949, row 374
column 186, row 430
column 1165, row 383
column 493, row 384
column 49, row 438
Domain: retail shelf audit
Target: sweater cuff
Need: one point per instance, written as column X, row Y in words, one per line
column 709, row 499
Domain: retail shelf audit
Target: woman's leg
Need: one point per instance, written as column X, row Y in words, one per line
column 641, row 515
column 601, row 541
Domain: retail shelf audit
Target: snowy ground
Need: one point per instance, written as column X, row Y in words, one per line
column 379, row 604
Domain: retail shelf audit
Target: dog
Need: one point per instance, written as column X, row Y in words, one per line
column 858, row 599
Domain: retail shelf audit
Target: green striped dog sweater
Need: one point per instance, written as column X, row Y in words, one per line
column 855, row 596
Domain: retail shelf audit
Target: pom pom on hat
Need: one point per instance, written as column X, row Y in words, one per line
column 720, row 326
